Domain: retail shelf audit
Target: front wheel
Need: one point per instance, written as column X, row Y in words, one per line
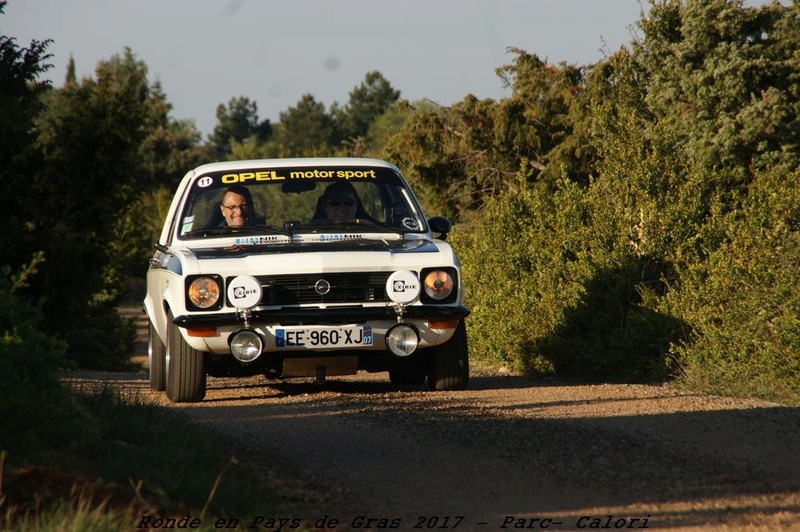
column 156, row 355
column 448, row 364
column 185, row 368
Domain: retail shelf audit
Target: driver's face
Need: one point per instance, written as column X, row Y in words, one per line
column 235, row 209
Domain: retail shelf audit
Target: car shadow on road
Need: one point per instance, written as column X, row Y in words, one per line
column 682, row 459
column 373, row 384
column 556, row 449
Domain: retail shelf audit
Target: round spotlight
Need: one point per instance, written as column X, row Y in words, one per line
column 402, row 340
column 246, row 346
column 403, row 287
column 244, row 292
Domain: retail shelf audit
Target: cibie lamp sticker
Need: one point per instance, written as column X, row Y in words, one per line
column 403, row 287
column 244, row 292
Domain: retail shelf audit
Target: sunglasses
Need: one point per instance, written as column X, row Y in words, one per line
column 334, row 202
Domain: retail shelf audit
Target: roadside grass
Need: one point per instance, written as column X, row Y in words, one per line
column 130, row 460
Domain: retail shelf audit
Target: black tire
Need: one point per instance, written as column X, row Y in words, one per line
column 185, row 368
column 408, row 371
column 448, row 364
column 157, row 357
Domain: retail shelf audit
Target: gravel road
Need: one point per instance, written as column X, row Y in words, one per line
column 510, row 453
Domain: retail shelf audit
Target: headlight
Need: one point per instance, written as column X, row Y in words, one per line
column 438, row 284
column 203, row 292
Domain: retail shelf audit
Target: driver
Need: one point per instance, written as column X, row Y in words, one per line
column 236, row 206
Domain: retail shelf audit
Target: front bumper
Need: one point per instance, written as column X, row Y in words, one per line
column 316, row 316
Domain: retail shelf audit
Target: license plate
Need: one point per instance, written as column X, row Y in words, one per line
column 322, row 337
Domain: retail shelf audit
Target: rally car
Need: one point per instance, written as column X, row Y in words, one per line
column 303, row 268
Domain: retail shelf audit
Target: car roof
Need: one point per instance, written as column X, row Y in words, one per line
column 294, row 162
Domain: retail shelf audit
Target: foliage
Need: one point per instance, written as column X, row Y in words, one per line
column 169, row 149
column 30, row 362
column 582, row 305
column 21, row 91
column 518, row 284
column 369, row 100
column 627, row 220
column 311, row 129
column 99, row 142
column 238, row 123
column 386, row 125
column 743, row 301
column 675, row 257
column 119, row 475
column 725, row 81
column 19, row 71
column 304, row 130
column 90, row 135
column 462, row 155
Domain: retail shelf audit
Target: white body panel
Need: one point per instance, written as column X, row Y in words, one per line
column 308, row 253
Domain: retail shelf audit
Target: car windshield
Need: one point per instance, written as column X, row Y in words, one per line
column 289, row 200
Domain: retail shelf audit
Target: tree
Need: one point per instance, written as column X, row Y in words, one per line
column 30, row 366
column 30, row 359
column 238, row 122
column 304, row 130
column 367, row 102
column 726, row 79
column 20, row 69
column 21, row 91
column 104, row 143
column 469, row 152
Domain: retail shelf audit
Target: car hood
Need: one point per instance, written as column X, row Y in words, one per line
column 317, row 257
column 246, row 249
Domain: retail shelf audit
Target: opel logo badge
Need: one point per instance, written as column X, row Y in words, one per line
column 322, row 287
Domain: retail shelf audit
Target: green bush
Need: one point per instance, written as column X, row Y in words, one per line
column 514, row 276
column 33, row 405
column 567, row 283
column 743, row 302
column 553, row 290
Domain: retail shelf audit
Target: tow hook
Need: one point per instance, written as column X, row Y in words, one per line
column 320, row 378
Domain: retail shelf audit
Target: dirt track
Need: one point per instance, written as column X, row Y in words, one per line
column 510, row 451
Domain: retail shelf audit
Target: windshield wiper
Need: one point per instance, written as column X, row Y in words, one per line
column 224, row 230
column 362, row 224
column 206, row 231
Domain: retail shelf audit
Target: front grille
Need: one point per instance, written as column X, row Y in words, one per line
column 358, row 287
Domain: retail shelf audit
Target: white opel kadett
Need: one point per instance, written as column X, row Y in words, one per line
column 303, row 268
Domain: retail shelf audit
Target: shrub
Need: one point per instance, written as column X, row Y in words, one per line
column 555, row 288
column 30, row 362
column 743, row 301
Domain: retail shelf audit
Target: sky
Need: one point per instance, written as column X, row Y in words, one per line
column 205, row 52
